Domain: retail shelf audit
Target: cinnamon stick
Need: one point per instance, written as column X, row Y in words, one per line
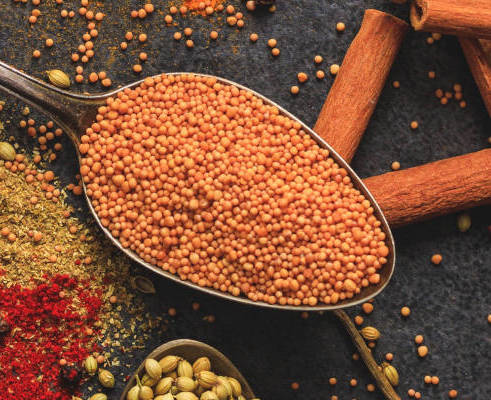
column 470, row 18
column 361, row 78
column 433, row 189
column 478, row 55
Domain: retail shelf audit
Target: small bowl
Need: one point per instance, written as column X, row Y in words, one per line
column 192, row 350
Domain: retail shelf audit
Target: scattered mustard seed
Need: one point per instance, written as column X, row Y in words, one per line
column 320, row 74
column 436, row 259
column 340, row 26
column 302, row 77
column 214, row 35
column 275, row 51
column 452, row 393
column 405, row 311
column 253, row 37
column 318, row 59
column 272, row 43
column 334, row 69
column 395, row 165
column 367, row 308
column 396, row 84
column 422, row 351
column 431, row 74
column 414, row 124
column 418, row 339
column 294, row 90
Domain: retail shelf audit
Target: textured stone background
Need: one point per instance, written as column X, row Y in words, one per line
column 449, row 303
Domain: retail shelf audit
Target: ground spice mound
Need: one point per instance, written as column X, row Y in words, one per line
column 208, row 182
column 49, row 322
column 57, row 277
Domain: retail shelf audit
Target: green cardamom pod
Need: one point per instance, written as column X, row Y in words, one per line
column 186, row 396
column 153, row 368
column 90, row 365
column 146, row 393
column 106, row 378
column 133, row 393
column 184, row 368
column 164, row 385
column 169, row 363
column 201, row 364
column 207, row 379
column 58, row 78
column 98, row 396
column 370, row 333
column 185, row 384
column 7, row 151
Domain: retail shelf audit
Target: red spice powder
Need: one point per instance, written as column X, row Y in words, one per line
column 45, row 327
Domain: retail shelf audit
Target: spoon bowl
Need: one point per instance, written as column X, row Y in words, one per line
column 192, row 350
column 75, row 112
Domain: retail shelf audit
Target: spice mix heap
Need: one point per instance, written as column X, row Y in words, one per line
column 61, row 289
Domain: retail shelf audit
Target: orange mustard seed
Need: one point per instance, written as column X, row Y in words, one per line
column 294, row 90
column 422, row 351
column 302, row 77
column 405, row 311
column 436, row 259
column 367, row 308
column 340, row 26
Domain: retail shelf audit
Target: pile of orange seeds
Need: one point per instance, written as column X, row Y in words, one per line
column 208, row 182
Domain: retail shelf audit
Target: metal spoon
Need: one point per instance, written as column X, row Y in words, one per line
column 74, row 113
column 191, row 350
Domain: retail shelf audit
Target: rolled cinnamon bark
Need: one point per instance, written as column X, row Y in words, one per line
column 361, row 78
column 478, row 55
column 455, row 17
column 433, row 189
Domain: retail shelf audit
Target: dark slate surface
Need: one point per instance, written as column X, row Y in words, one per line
column 449, row 303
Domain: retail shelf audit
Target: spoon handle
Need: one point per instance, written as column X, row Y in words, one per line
column 71, row 112
column 382, row 381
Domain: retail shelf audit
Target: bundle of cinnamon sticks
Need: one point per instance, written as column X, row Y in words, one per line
column 470, row 20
